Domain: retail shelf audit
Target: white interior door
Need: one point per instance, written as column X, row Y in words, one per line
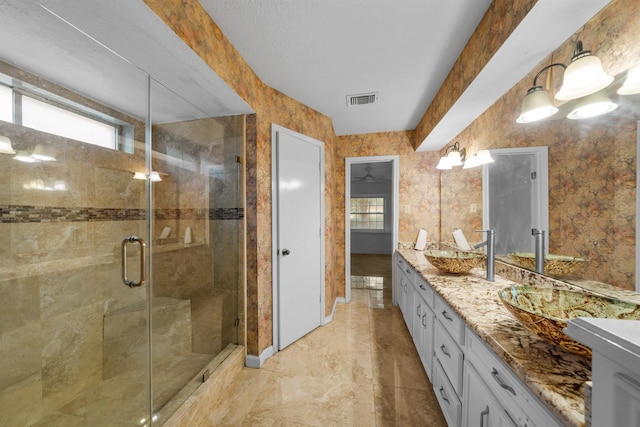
column 300, row 231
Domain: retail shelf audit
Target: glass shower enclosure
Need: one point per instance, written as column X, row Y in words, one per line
column 121, row 248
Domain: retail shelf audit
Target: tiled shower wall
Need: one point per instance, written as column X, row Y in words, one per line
column 60, row 252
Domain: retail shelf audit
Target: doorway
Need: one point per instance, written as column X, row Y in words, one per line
column 298, row 235
column 371, row 208
column 516, row 197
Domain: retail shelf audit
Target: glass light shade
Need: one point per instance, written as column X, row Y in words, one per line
column 43, row 153
column 471, row 162
column 5, row 146
column 454, row 158
column 536, row 105
column 443, row 164
column 631, row 84
column 23, row 157
column 155, row 177
column 484, row 157
column 583, row 77
column 139, row 175
column 593, row 105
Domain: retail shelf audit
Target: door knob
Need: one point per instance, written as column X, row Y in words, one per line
column 285, row 252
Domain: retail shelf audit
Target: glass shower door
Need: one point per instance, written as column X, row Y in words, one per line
column 74, row 344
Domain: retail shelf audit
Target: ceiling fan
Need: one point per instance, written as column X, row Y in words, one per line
column 368, row 178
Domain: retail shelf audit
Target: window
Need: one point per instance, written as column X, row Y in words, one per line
column 33, row 107
column 51, row 119
column 6, row 103
column 367, row 213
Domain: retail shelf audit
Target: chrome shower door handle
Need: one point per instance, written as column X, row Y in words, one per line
column 143, row 261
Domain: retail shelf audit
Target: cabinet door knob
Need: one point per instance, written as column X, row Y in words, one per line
column 285, row 252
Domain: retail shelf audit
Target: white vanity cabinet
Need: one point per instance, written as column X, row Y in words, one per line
column 422, row 325
column 403, row 275
column 448, row 361
column 615, row 373
column 481, row 408
column 473, row 386
column 512, row 399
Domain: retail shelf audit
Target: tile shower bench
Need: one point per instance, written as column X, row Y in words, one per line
column 487, row 369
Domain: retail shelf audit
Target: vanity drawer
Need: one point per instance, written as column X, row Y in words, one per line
column 425, row 291
column 513, row 394
column 447, row 397
column 450, row 356
column 450, row 320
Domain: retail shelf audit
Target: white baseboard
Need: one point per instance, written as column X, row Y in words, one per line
column 257, row 361
column 329, row 318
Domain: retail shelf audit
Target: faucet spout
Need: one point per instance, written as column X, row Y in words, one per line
column 490, row 243
column 539, row 245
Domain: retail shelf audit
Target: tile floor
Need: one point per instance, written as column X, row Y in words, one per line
column 359, row 370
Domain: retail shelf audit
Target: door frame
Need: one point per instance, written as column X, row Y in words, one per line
column 542, row 186
column 275, row 319
column 395, row 188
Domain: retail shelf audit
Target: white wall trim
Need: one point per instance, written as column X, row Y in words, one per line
column 395, row 185
column 256, row 362
column 338, row 300
column 274, row 226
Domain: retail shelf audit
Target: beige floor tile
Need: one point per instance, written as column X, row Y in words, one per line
column 399, row 371
column 397, row 406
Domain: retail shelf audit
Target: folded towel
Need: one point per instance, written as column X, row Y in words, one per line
column 421, row 241
column 461, row 241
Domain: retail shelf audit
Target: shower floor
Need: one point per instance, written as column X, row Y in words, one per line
column 106, row 404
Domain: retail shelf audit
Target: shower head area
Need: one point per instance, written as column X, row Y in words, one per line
column 122, row 238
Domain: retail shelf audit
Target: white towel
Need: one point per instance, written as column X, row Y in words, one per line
column 461, row 241
column 421, row 241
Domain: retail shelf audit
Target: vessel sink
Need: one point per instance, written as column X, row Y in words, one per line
column 554, row 265
column 454, row 261
column 545, row 311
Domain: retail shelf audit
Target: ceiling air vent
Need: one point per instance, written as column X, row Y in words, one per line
column 362, row 98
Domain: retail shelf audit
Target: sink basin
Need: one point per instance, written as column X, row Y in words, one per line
column 454, row 261
column 546, row 311
column 554, row 265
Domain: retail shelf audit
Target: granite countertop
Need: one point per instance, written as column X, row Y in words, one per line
column 554, row 375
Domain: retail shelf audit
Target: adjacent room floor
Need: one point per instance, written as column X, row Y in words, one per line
column 361, row 369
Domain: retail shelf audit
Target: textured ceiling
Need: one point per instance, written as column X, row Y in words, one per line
column 319, row 51
column 316, row 51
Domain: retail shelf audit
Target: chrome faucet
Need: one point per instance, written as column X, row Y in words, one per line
column 539, row 239
column 490, row 243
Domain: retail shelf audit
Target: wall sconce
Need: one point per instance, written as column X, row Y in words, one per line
column 592, row 105
column 537, row 104
column 582, row 77
column 153, row 176
column 631, row 83
column 453, row 156
column 5, row 146
column 43, row 153
column 482, row 157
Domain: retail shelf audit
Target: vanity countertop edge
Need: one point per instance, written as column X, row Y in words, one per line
column 557, row 377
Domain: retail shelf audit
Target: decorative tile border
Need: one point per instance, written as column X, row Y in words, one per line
column 21, row 214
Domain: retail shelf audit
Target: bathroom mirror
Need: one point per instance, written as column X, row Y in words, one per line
column 592, row 168
column 592, row 183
